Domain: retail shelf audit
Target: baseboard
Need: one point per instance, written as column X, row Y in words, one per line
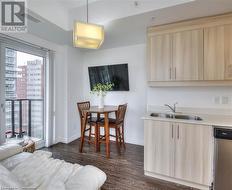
column 177, row 181
column 72, row 138
column 67, row 140
column 77, row 136
column 60, row 140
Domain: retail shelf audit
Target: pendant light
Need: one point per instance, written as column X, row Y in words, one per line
column 86, row 35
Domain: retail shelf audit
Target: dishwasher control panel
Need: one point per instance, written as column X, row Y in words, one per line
column 221, row 133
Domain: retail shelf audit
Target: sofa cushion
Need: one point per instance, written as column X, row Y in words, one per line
column 11, row 162
column 8, row 150
column 86, row 178
column 8, row 180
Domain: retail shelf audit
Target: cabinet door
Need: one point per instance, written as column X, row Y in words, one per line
column 228, row 52
column 194, row 153
column 218, row 53
column 159, row 57
column 214, row 63
column 188, row 55
column 158, row 147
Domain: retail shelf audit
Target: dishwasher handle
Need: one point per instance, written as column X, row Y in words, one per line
column 220, row 133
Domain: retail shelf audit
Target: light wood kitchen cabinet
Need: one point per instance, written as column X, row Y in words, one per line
column 160, row 55
column 218, row 53
column 158, row 157
column 193, row 153
column 176, row 57
column 191, row 53
column 188, row 55
column 179, row 152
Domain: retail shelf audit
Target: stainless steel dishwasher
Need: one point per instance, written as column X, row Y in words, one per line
column 223, row 159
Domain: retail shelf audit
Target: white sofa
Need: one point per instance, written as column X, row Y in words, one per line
column 40, row 171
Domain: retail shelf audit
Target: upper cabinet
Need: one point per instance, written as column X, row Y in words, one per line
column 218, row 53
column 160, row 55
column 188, row 55
column 191, row 53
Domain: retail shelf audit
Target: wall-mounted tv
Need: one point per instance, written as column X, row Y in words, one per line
column 116, row 74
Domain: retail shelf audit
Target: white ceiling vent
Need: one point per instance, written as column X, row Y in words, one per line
column 32, row 18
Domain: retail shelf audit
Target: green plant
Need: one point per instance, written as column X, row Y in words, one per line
column 101, row 89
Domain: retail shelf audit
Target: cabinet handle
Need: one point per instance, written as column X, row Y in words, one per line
column 175, row 72
column 172, row 132
column 170, row 73
column 178, row 132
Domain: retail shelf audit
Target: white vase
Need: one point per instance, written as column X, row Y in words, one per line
column 101, row 101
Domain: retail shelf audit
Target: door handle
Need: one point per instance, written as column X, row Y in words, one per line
column 178, row 132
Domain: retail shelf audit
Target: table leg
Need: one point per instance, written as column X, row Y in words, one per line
column 107, row 133
column 83, row 123
column 96, row 138
column 98, row 133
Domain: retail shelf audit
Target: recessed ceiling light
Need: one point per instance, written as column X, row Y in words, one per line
column 153, row 18
column 136, row 3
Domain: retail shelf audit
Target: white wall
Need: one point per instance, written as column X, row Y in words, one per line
column 140, row 95
column 75, row 92
column 136, row 97
column 190, row 97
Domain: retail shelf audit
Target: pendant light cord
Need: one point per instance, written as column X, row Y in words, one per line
column 87, row 11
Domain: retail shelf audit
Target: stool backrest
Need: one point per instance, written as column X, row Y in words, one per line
column 82, row 106
column 121, row 113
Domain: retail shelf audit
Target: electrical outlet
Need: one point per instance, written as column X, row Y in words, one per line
column 217, row 100
column 225, row 100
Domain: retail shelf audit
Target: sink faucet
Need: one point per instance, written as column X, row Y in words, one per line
column 172, row 108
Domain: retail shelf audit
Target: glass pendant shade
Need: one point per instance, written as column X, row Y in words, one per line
column 87, row 35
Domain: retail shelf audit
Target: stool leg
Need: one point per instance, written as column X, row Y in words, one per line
column 90, row 133
column 96, row 137
column 83, row 133
column 82, row 139
column 117, row 143
column 120, row 136
column 123, row 141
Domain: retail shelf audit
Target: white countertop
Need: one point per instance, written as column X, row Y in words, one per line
column 207, row 119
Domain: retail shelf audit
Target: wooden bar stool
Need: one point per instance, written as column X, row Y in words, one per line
column 118, row 125
column 90, row 123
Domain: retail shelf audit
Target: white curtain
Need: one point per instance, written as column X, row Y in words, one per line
column 50, row 106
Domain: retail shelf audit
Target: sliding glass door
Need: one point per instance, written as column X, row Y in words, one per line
column 23, row 76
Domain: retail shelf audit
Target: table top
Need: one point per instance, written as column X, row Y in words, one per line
column 106, row 109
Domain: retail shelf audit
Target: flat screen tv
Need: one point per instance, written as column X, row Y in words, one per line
column 116, row 74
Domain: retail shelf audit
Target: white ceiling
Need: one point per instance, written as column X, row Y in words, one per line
column 122, row 30
column 64, row 12
column 70, row 4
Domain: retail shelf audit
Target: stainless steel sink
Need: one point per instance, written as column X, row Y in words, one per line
column 176, row 116
column 188, row 117
column 163, row 115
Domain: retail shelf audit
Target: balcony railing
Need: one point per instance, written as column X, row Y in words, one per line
column 18, row 114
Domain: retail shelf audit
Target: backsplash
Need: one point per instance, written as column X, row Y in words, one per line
column 213, row 100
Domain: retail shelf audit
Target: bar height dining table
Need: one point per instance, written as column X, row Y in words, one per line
column 106, row 110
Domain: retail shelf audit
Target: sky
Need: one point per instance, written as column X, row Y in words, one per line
column 22, row 58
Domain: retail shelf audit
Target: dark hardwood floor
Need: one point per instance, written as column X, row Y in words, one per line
column 124, row 171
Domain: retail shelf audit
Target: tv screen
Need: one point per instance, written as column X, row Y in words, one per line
column 116, row 74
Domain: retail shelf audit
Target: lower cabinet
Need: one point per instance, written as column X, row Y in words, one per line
column 158, row 148
column 182, row 152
